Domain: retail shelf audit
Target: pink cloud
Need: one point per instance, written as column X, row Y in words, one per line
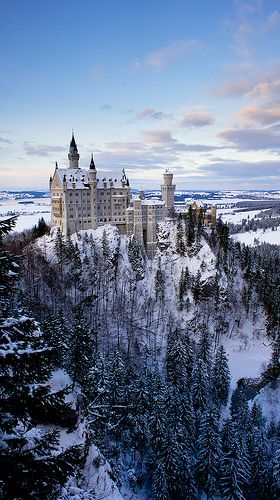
column 197, row 119
column 262, row 115
column 173, row 52
column 41, row 149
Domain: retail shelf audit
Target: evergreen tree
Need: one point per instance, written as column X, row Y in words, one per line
column 159, row 282
column 201, row 385
column 221, row 377
column 135, row 257
column 177, row 362
column 31, row 464
column 208, row 451
column 234, row 470
column 261, row 472
column 204, row 349
column 82, row 350
column 180, row 244
column 41, row 228
column 276, row 474
column 196, row 288
column 190, row 227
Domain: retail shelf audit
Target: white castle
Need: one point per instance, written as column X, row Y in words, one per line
column 85, row 199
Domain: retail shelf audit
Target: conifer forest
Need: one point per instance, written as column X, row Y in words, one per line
column 115, row 369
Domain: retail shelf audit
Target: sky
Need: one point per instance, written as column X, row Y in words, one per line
column 145, row 85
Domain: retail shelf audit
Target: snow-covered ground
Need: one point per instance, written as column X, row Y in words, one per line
column 28, row 211
column 259, row 236
column 230, row 215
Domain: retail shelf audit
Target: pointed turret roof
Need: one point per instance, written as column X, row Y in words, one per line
column 92, row 164
column 73, row 145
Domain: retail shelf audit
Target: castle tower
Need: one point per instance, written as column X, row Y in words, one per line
column 93, row 192
column 92, row 170
column 73, row 155
column 167, row 190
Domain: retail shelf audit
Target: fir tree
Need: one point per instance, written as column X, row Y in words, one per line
column 235, row 470
column 159, row 282
column 221, row 377
column 180, row 245
column 190, row 232
column 31, row 464
column 208, row 452
column 81, row 354
column 201, row 385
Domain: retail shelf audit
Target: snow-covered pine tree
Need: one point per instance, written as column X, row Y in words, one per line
column 200, row 385
column 235, row 469
column 208, row 451
column 177, row 362
column 180, row 244
column 31, row 463
column 81, row 351
column 135, row 256
column 190, row 227
column 221, row 377
column 159, row 282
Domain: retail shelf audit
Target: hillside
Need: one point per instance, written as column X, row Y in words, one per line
column 151, row 352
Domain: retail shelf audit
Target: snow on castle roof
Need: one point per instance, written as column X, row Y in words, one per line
column 80, row 178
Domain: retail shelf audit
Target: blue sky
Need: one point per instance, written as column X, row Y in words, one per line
column 192, row 86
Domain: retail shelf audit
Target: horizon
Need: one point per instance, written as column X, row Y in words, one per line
column 198, row 93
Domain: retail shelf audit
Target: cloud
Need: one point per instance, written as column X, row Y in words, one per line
column 106, row 107
column 159, row 138
column 261, row 115
column 250, row 24
column 252, row 138
column 151, row 113
column 5, row 141
column 265, row 89
column 244, row 170
column 41, row 149
column 168, row 55
column 272, row 21
column 263, row 83
column 197, row 119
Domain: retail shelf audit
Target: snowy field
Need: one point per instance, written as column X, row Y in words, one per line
column 259, row 236
column 28, row 213
column 229, row 215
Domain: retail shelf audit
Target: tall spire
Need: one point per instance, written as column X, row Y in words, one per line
column 73, row 146
column 73, row 155
column 92, row 164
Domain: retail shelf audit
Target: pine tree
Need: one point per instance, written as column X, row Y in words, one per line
column 196, row 288
column 221, row 377
column 135, row 257
column 41, row 228
column 177, row 362
column 159, row 282
column 180, row 244
column 204, row 349
column 208, row 451
column 201, row 385
column 31, row 464
column 276, row 474
column 235, row 470
column 261, row 472
column 82, row 350
column 190, row 232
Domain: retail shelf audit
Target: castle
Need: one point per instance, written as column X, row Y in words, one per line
column 84, row 199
